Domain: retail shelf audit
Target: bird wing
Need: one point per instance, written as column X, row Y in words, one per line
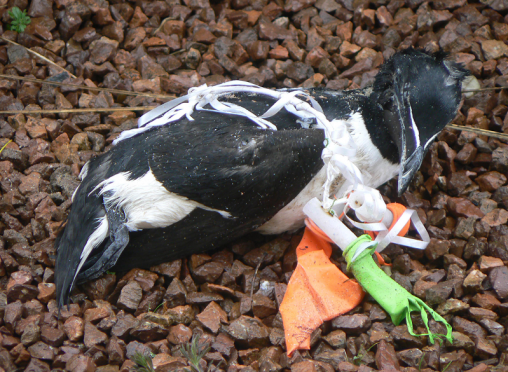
column 221, row 174
column 243, row 171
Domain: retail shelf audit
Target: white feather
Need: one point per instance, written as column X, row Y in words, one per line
column 146, row 202
column 375, row 168
column 94, row 240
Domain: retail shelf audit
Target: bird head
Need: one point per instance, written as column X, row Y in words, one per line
column 419, row 94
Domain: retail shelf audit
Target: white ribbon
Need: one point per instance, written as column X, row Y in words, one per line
column 337, row 154
column 339, row 146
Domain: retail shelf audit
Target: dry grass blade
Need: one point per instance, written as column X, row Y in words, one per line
column 76, row 111
column 483, row 132
column 39, row 56
column 93, row 89
column 4, row 146
column 482, row 89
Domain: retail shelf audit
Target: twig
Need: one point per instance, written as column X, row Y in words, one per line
column 4, row 146
column 483, row 132
column 482, row 89
column 38, row 55
column 84, row 87
column 254, row 278
column 76, row 111
column 162, row 24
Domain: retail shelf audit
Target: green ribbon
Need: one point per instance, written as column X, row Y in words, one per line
column 396, row 301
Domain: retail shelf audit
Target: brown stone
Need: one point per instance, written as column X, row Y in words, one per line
column 148, row 331
column 297, row 5
column 473, row 281
column 165, row 363
column 93, row 336
column 494, row 49
column 486, row 300
column 80, row 363
column 179, row 334
column 471, row 329
column 103, row 50
column 52, row 336
column 212, row 317
column 491, row 181
column 315, row 56
column 270, row 31
column 248, row 332
column 279, row 52
column 203, row 35
column 40, row 350
column 461, row 207
column 258, row 50
column 47, row 292
column 496, row 217
column 486, row 263
column 498, row 277
column 356, row 323
column 262, row 306
column 181, row 314
column 130, row 296
column 74, row 328
column 386, row 358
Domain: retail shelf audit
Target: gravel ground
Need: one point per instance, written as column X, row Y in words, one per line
column 169, row 46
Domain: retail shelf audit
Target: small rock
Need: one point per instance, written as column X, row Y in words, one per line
column 491, row 181
column 386, row 358
column 461, row 207
column 80, row 363
column 439, row 293
column 336, row 339
column 486, row 263
column 73, row 328
column 165, row 362
column 474, row 280
column 262, row 306
column 149, row 331
column 496, row 217
column 124, row 324
column 498, row 277
column 52, row 336
column 471, row 329
column 212, row 317
column 181, row 314
column 130, row 296
column 485, row 348
column 299, row 71
column 179, row 334
column 248, row 332
column 93, row 336
column 356, row 323
column 437, row 248
column 40, row 350
column 494, row 49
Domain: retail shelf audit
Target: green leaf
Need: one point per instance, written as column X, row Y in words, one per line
column 19, row 19
column 16, row 13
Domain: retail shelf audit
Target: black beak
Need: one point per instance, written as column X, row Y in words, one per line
column 409, row 168
column 406, row 136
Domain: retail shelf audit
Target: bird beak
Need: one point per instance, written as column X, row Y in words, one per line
column 408, row 169
column 407, row 138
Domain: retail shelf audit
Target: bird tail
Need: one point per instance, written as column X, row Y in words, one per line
column 86, row 229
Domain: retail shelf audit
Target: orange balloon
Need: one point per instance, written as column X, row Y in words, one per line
column 317, row 291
